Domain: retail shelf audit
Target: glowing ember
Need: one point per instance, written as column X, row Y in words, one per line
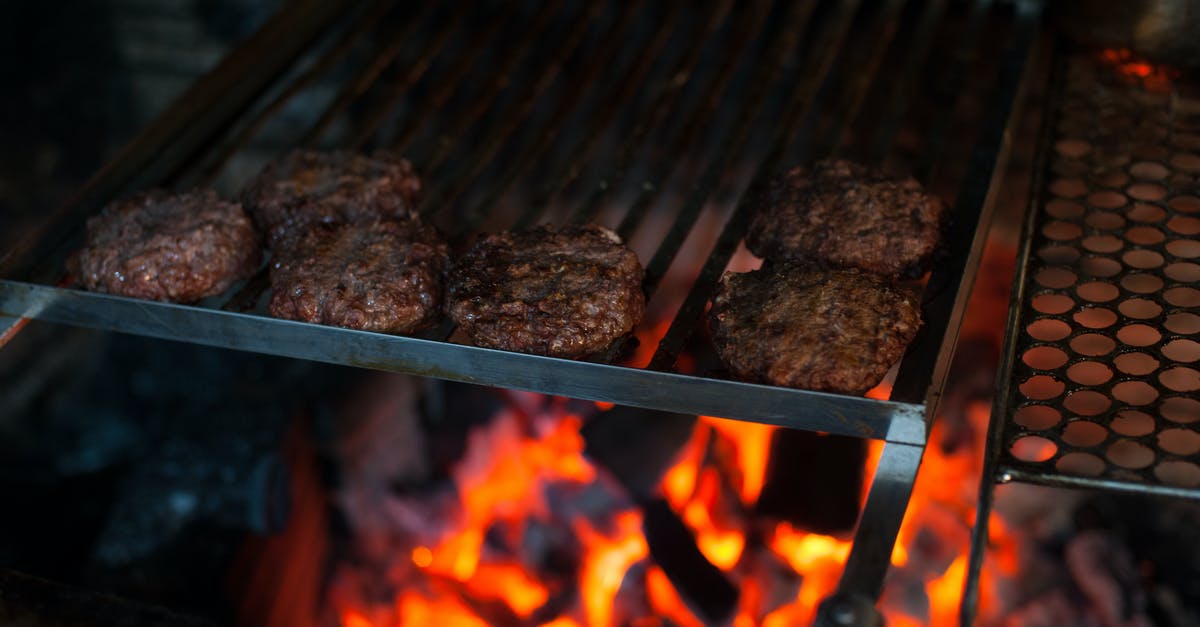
column 1152, row 76
column 607, row 561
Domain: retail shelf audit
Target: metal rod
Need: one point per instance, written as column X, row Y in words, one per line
column 631, row 83
column 945, row 298
column 814, row 75
column 731, row 146
column 991, row 459
column 443, row 199
column 666, row 101
column 833, row 413
column 483, row 102
column 550, row 129
column 701, row 114
column 189, row 124
column 871, row 554
column 371, row 72
column 331, row 58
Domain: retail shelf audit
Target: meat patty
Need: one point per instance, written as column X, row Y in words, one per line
column 839, row 214
column 159, row 246
column 564, row 293
column 384, row 276
column 803, row 327
column 308, row 187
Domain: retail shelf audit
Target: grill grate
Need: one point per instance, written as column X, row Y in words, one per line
column 1103, row 389
column 654, row 119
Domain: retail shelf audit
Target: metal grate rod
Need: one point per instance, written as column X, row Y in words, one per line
column 689, row 313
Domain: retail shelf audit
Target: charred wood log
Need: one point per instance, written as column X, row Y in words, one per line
column 813, row 480
column 673, row 547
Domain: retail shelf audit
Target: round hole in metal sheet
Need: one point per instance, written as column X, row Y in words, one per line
column 1083, row 433
column 1059, row 254
column 1032, row 448
column 1130, row 454
column 1145, row 212
column 1135, row 393
column 1182, row 351
column 1068, row 188
column 1097, row 292
column 1053, row 303
column 1183, row 296
column 1087, row 403
column 1149, row 170
column 1140, row 308
column 1055, row 278
column 1132, row 423
column 1186, row 161
column 1185, row 204
column 1142, row 259
column 1062, row 231
column 1064, row 209
column 1044, row 357
column 1183, row 272
column 1095, row 317
column 1107, row 200
column 1105, row 221
column 1080, row 464
column 1037, row 417
column 1113, row 158
column 1184, row 225
column 1103, row 243
column 1042, row 387
column 1073, row 148
column 1180, row 379
column 1184, row 248
column 1178, row 473
column 1136, row 364
column 1114, row 179
column 1183, row 323
column 1089, row 373
column 1147, row 191
column 1139, row 335
column 1179, row 441
column 1048, row 329
column 1180, row 409
column 1092, row 344
column 1142, row 283
column 1100, row 267
column 1143, row 235
column 1069, row 168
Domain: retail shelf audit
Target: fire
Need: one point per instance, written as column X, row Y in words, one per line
column 1153, row 76
column 607, row 561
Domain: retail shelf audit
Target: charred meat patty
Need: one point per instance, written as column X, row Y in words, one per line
column 308, row 187
column 177, row 248
column 803, row 327
column 565, row 293
column 383, row 276
column 839, row 214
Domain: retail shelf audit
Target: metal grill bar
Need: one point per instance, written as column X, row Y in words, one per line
column 688, row 315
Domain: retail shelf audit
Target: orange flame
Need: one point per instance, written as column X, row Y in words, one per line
column 607, row 561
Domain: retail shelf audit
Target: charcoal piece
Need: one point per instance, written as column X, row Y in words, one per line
column 813, row 480
column 672, row 545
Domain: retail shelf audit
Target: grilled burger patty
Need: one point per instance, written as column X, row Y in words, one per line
column 802, row 327
column 564, row 293
column 177, row 248
column 836, row 213
column 383, row 276
column 308, row 187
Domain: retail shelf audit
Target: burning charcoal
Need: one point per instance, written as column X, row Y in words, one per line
column 673, row 547
column 1103, row 569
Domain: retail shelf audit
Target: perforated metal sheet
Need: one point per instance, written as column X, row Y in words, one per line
column 1105, row 382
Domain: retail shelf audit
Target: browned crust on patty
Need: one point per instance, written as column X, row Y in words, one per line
column 568, row 292
column 308, row 187
column 384, row 276
column 802, row 327
column 839, row 214
column 159, row 246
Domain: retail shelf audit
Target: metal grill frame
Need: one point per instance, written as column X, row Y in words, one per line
column 224, row 109
column 1000, row 464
